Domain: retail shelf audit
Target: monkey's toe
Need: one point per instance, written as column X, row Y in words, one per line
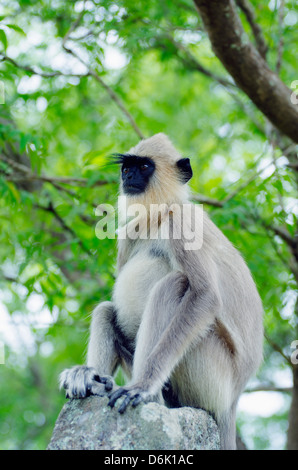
column 83, row 381
column 133, row 396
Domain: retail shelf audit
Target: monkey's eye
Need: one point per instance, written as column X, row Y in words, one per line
column 144, row 167
column 125, row 170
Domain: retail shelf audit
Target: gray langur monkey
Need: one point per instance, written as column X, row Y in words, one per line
column 185, row 325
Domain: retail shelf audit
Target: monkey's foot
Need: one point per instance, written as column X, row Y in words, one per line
column 83, row 381
column 131, row 395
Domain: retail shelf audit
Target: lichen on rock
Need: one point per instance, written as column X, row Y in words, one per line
column 90, row 424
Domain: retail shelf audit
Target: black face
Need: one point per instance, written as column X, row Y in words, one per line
column 136, row 173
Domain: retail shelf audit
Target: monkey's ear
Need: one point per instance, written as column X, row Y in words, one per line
column 185, row 169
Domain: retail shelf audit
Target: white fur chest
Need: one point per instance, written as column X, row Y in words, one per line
column 133, row 286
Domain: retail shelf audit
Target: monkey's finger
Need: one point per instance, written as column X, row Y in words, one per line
column 115, row 395
column 108, row 384
column 106, row 381
column 137, row 400
column 124, row 404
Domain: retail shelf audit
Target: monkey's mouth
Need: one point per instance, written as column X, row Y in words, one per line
column 132, row 189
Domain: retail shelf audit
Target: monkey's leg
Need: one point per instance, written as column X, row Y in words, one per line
column 102, row 358
column 175, row 317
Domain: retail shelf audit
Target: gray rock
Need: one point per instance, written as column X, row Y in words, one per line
column 89, row 424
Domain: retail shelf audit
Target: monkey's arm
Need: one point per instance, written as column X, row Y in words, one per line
column 177, row 315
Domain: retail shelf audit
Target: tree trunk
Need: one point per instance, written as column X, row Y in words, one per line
column 246, row 65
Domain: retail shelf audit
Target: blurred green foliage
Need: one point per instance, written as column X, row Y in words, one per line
column 53, row 269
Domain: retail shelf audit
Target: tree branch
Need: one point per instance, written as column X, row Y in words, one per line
column 118, row 102
column 191, row 62
column 90, row 72
column 247, row 66
column 50, row 208
column 28, row 175
column 74, row 25
column 269, row 388
column 207, row 200
column 246, row 183
column 280, row 231
column 27, row 68
column 98, row 78
column 110, row 92
column 283, row 234
column 278, row 349
column 247, row 9
column 292, row 242
column 281, row 13
column 220, row 203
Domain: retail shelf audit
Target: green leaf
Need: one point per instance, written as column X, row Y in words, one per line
column 24, row 140
column 16, row 28
column 13, row 191
column 3, row 39
column 35, row 158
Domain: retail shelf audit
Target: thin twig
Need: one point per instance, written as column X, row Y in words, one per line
column 110, row 92
column 98, row 78
column 247, row 9
column 269, row 388
column 118, row 102
column 90, row 72
column 283, row 234
column 15, row 165
column 28, row 175
column 207, row 200
column 246, row 183
column 190, row 61
column 75, row 24
column 247, row 110
column 33, row 71
column 57, row 180
column 278, row 349
column 50, row 208
column 220, row 203
column 280, row 47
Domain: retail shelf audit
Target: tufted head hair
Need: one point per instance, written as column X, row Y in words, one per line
column 158, row 147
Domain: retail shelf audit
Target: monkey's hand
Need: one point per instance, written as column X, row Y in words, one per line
column 133, row 394
column 83, row 381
